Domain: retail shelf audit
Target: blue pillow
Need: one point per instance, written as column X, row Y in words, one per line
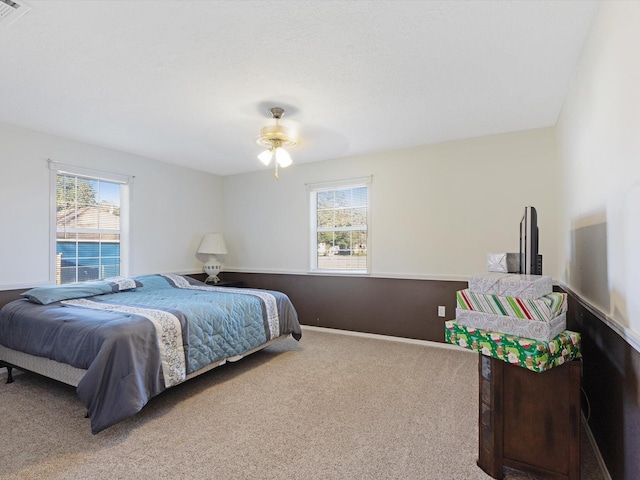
column 56, row 293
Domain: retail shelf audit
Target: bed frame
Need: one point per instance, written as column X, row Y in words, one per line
column 65, row 373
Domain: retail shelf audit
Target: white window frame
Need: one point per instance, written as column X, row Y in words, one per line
column 314, row 189
column 125, row 182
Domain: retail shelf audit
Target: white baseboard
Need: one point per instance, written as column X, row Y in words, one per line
column 378, row 336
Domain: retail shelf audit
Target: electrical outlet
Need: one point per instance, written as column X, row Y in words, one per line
column 441, row 311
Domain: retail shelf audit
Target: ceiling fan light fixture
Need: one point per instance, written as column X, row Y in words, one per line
column 277, row 132
column 275, row 137
column 283, row 157
column 265, row 157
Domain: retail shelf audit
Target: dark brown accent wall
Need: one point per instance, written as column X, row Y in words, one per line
column 7, row 296
column 611, row 382
column 387, row 306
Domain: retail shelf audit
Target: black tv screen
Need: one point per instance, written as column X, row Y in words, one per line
column 530, row 259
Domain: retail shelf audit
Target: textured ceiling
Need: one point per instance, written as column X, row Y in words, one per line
column 191, row 82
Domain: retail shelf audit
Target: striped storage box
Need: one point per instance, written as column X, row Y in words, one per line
column 535, row 329
column 542, row 309
column 534, row 355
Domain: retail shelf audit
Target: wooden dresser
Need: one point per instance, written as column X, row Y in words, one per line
column 528, row 420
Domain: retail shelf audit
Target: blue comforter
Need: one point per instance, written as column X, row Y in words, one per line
column 135, row 344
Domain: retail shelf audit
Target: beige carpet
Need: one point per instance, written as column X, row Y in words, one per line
column 330, row 407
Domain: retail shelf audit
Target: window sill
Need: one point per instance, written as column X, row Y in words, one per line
column 349, row 273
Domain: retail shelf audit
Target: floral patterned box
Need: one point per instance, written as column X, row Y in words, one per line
column 534, row 355
column 511, row 285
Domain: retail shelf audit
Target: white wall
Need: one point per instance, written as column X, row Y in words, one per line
column 437, row 210
column 171, row 207
column 599, row 150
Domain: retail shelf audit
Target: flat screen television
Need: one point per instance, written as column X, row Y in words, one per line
column 530, row 259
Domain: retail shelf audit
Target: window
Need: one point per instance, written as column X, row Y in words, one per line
column 340, row 226
column 89, row 210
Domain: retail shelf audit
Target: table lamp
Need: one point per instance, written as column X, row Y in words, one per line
column 213, row 244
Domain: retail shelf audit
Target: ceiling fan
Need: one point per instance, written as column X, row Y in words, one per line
column 275, row 138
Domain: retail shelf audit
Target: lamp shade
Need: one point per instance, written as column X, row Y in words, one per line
column 283, row 157
column 213, row 244
column 265, row 157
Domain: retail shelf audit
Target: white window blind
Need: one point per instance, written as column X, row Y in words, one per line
column 91, row 224
column 340, row 226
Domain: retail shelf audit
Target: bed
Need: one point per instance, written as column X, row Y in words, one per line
column 121, row 342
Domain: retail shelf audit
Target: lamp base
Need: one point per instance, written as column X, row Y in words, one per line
column 212, row 268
